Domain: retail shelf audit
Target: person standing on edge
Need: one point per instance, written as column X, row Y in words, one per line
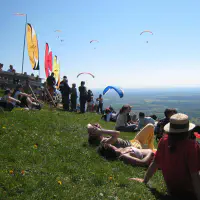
column 100, row 106
column 83, row 96
column 51, row 81
column 73, row 97
column 65, row 90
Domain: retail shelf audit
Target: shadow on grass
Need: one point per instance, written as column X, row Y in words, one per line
column 160, row 196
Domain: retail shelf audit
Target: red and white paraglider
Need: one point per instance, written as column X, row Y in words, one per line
column 146, row 31
column 88, row 73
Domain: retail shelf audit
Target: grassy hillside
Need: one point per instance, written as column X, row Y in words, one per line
column 45, row 155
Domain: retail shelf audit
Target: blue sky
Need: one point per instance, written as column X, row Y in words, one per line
column 122, row 57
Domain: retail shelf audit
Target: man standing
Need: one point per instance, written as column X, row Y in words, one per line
column 65, row 90
column 73, row 97
column 51, row 81
column 83, row 96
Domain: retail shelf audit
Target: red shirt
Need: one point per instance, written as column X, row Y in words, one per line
column 178, row 166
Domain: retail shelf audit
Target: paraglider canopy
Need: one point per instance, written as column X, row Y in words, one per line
column 117, row 89
column 85, row 73
column 147, row 31
column 94, row 41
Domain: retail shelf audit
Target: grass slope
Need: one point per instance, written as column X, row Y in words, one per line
column 62, row 155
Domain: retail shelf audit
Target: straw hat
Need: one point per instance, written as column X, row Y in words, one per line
column 179, row 123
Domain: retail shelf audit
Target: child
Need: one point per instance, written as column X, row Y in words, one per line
column 107, row 116
column 90, row 105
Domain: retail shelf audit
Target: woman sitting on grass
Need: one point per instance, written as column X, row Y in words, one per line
column 178, row 157
column 130, row 155
column 144, row 139
column 7, row 101
column 122, row 120
column 26, row 99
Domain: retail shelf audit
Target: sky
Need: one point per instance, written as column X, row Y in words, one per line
column 171, row 58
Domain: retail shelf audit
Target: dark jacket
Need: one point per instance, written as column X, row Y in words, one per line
column 83, row 92
column 64, row 88
column 74, row 93
column 51, row 81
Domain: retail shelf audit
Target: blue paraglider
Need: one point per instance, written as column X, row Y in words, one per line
column 117, row 89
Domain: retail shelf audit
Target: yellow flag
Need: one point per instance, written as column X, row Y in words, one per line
column 32, row 45
column 56, row 70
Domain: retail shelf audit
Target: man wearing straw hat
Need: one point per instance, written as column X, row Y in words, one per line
column 178, row 157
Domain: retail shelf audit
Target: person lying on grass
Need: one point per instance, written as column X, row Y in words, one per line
column 130, row 155
column 144, row 139
column 178, row 157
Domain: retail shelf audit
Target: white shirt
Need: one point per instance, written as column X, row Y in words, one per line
column 145, row 121
column 121, row 120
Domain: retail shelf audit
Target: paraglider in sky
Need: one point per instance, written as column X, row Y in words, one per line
column 58, row 36
column 117, row 89
column 146, row 31
column 94, row 42
column 85, row 73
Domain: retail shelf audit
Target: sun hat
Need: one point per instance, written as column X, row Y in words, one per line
column 179, row 123
column 126, row 106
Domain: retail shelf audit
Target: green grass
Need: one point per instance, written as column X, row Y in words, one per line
column 63, row 155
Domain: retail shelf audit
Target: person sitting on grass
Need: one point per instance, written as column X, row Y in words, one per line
column 107, row 115
column 26, row 99
column 122, row 120
column 7, row 100
column 178, row 157
column 159, row 129
column 129, row 155
column 143, row 121
column 144, row 139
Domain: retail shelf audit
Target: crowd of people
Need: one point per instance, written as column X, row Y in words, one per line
column 178, row 152
column 177, row 156
column 70, row 96
column 18, row 98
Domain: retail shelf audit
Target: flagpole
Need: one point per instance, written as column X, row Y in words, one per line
column 24, row 46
